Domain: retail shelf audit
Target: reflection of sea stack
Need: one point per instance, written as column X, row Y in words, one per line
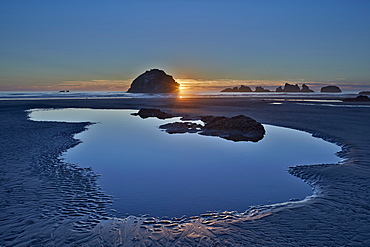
column 154, row 81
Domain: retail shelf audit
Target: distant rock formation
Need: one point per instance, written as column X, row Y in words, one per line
column 360, row 98
column 306, row 89
column 152, row 112
column 260, row 89
column 229, row 90
column 331, row 89
column 289, row 88
column 242, row 88
column 154, row 81
column 364, row 93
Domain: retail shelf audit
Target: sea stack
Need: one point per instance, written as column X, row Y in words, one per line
column 360, row 98
column 154, row 81
column 260, row 89
column 331, row 89
column 242, row 88
column 290, row 88
column 306, row 89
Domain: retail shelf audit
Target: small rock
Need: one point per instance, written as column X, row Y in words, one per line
column 360, row 98
column 181, row 127
column 364, row 93
column 152, row 112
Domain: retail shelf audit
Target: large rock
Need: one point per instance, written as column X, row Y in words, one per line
column 238, row 128
column 291, row 88
column 154, row 81
column 331, row 89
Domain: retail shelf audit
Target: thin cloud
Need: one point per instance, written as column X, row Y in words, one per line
column 96, row 85
column 186, row 84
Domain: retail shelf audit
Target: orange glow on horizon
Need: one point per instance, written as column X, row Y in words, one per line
column 187, row 86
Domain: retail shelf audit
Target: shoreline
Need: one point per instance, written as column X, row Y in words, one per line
column 336, row 215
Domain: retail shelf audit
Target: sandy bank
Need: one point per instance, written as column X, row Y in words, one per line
column 337, row 216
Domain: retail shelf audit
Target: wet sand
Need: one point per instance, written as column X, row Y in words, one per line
column 46, row 202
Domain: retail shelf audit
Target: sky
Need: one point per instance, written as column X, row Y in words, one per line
column 104, row 45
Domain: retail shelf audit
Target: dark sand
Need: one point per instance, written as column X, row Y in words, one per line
column 47, row 203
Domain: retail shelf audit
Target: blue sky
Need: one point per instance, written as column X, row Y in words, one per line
column 45, row 44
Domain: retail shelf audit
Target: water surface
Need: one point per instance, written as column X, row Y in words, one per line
column 152, row 172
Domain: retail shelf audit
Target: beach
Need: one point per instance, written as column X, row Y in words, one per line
column 45, row 202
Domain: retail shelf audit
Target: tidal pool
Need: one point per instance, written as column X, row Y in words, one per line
column 152, row 172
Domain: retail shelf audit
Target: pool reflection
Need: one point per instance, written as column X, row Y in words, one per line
column 152, row 172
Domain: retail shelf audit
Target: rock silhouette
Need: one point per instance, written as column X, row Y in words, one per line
column 360, row 98
column 181, row 127
column 331, row 89
column 152, row 112
column 260, row 89
column 242, row 88
column 290, row 88
column 238, row 128
column 364, row 93
column 154, row 81
column 306, row 89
